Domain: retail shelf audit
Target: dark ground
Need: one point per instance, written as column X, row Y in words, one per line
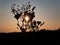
column 31, row 38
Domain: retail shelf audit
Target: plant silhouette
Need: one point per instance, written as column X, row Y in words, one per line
column 27, row 15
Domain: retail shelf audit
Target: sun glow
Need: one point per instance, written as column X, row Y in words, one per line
column 27, row 18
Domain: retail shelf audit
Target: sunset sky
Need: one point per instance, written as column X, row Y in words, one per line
column 46, row 10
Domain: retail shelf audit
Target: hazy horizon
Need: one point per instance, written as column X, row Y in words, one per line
column 46, row 10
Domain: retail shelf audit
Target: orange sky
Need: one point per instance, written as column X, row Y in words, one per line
column 46, row 10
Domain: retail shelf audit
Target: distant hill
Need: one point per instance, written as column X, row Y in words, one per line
column 30, row 37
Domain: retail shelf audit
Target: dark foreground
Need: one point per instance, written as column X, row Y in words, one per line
column 31, row 38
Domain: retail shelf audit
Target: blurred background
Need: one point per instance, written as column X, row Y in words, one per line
column 46, row 10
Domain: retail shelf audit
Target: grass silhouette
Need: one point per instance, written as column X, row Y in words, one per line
column 30, row 37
